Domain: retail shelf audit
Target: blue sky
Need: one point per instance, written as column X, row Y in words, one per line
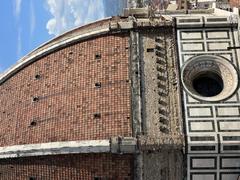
column 26, row 24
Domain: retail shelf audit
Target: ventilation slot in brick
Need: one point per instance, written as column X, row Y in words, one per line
column 37, row 76
column 98, row 56
column 32, row 178
column 97, row 115
column 98, row 85
column 35, row 99
column 33, row 123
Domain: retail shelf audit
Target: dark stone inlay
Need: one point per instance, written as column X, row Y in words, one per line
column 231, row 148
column 202, row 148
column 202, row 138
column 231, row 138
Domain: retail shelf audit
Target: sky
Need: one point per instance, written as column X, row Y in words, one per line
column 26, row 24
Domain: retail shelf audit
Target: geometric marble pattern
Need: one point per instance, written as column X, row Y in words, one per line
column 212, row 128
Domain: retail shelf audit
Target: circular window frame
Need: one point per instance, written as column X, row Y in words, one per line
column 214, row 64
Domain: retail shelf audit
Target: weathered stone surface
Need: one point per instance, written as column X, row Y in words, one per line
column 163, row 165
column 161, row 102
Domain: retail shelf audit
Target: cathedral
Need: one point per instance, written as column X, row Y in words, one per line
column 149, row 95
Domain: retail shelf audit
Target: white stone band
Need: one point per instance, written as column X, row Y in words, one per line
column 54, row 148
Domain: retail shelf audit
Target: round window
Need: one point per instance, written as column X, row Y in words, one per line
column 209, row 78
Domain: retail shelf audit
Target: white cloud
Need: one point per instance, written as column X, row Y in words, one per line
column 19, row 43
column 18, row 4
column 71, row 13
column 17, row 11
column 32, row 18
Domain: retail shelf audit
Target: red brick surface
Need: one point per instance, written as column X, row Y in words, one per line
column 67, row 95
column 234, row 3
column 68, row 167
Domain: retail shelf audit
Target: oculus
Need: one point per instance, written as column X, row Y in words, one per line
column 209, row 78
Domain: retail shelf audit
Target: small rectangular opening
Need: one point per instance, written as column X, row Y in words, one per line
column 98, row 56
column 35, row 99
column 32, row 178
column 37, row 76
column 97, row 115
column 98, row 84
column 33, row 123
column 150, row 49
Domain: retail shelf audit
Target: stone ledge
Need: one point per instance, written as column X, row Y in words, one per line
column 120, row 145
column 67, row 147
column 116, row 145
